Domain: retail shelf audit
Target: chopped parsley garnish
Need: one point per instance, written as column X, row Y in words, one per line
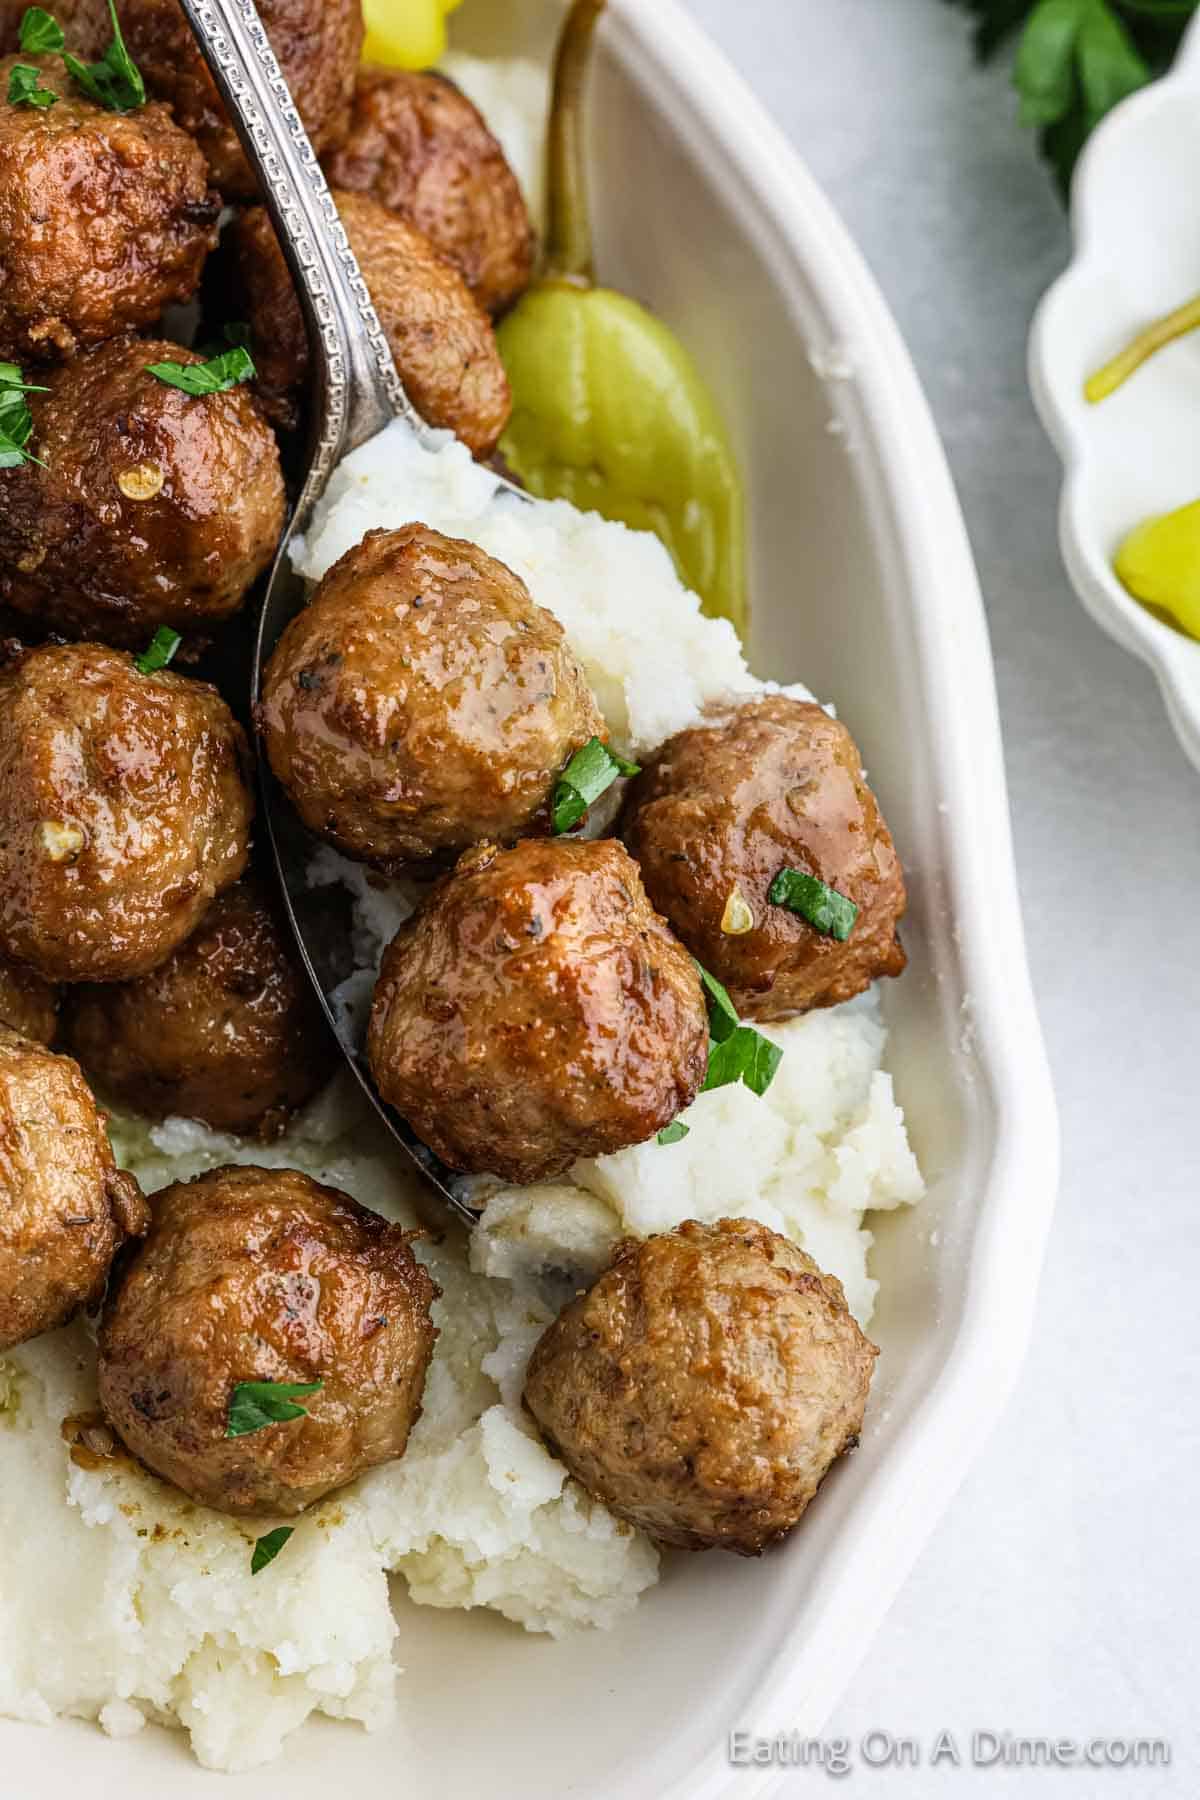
column 16, row 422
column 267, row 1548
column 25, row 87
column 216, row 376
column 115, row 81
column 824, row 908
column 159, row 651
column 590, row 773
column 40, row 32
column 737, row 1052
column 674, row 1133
column 255, row 1404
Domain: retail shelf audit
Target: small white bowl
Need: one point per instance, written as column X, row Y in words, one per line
column 1137, row 256
column 865, row 588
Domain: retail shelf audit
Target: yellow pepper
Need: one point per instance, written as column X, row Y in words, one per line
column 609, row 409
column 406, row 34
column 1159, row 564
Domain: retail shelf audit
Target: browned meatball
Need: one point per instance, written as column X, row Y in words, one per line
column 723, row 808
column 704, row 1385
column 263, row 1275
column 440, row 337
column 147, row 507
column 226, row 1030
column 105, row 219
column 421, row 701
column 124, row 810
column 65, row 1208
column 28, row 1005
column 536, row 1011
column 420, row 147
column 317, row 42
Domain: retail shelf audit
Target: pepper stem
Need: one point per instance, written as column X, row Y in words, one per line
column 1163, row 331
column 569, row 229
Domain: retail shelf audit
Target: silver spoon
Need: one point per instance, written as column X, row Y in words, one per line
column 356, row 392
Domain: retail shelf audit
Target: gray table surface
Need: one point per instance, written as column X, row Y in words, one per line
column 1059, row 1595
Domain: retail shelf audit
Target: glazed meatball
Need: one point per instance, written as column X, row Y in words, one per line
column 105, row 219
column 723, row 808
column 65, row 1207
column 28, row 1005
column 124, row 811
column 705, row 1384
column 263, row 1275
column 419, row 147
column 440, row 337
column 226, row 1030
column 147, row 507
column 537, row 1010
column 317, row 43
column 422, row 702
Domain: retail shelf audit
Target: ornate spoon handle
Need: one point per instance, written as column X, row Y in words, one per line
column 356, row 388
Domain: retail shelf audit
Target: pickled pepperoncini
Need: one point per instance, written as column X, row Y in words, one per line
column 609, row 409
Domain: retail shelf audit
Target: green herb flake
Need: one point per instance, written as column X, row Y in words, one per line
column 156, row 656
column 115, row 81
column 737, row 1052
column 823, row 907
column 590, row 773
column 255, row 1404
column 216, row 376
column 674, row 1133
column 40, row 32
column 25, row 89
column 16, row 421
column 267, row 1548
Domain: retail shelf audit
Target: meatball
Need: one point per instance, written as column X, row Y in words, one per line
column 440, row 337
column 723, row 808
column 317, row 43
column 65, row 1207
column 263, row 1275
column 419, row 147
column 226, row 1030
column 105, row 219
column 28, row 1005
column 422, row 702
column 704, row 1385
column 148, row 506
column 537, row 1010
column 124, row 810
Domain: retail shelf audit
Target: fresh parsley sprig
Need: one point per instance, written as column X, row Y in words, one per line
column 115, row 82
column 216, row 376
column 158, row 653
column 590, row 773
column 25, row 88
column 814, row 901
column 41, row 33
column 256, row 1404
column 16, row 421
column 737, row 1052
column 1075, row 59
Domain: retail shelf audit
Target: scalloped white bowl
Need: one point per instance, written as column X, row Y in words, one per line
column 864, row 586
column 1137, row 254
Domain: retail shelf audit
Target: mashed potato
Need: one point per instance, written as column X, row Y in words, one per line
column 121, row 1601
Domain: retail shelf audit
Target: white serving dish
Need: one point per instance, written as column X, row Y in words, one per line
column 1137, row 255
column 865, row 587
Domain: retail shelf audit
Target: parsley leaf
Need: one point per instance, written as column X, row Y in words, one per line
column 157, row 655
column 590, row 773
column 254, row 1404
column 216, row 376
column 25, row 89
column 115, row 81
column 1077, row 58
column 821, row 906
column 267, row 1548
column 673, row 1133
column 16, row 422
column 40, row 32
column 737, row 1052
